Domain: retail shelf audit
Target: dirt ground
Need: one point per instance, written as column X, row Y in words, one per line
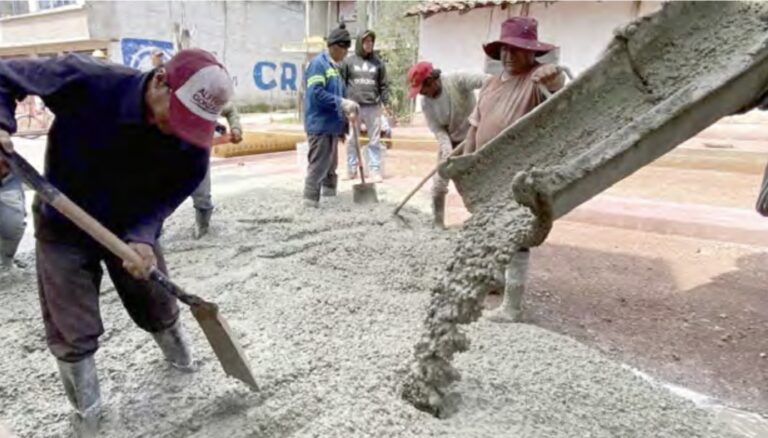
column 689, row 311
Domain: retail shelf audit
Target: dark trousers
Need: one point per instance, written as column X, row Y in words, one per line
column 321, row 170
column 69, row 277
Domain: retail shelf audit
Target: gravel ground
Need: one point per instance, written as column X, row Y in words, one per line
column 328, row 304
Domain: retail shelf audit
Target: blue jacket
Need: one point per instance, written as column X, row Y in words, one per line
column 101, row 151
column 322, row 99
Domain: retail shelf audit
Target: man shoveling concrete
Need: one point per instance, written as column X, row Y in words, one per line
column 502, row 101
column 447, row 102
column 325, row 109
column 128, row 147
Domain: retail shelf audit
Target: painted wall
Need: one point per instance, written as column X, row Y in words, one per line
column 246, row 36
column 70, row 23
column 582, row 30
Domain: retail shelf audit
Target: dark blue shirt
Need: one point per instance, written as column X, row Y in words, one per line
column 101, row 151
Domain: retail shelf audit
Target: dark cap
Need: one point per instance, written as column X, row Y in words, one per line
column 340, row 35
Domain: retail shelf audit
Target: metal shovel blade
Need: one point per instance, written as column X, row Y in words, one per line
column 219, row 335
column 364, row 193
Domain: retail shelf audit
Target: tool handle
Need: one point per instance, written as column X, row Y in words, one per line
column 87, row 223
column 356, row 137
column 423, row 181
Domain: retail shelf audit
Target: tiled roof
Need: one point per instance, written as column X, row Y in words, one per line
column 429, row 8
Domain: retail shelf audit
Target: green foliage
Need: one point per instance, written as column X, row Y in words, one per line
column 398, row 42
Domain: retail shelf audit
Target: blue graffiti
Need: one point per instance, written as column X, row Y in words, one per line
column 137, row 53
column 265, row 76
column 288, row 77
column 259, row 75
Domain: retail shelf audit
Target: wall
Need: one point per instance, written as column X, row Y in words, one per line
column 246, row 36
column 582, row 30
column 69, row 23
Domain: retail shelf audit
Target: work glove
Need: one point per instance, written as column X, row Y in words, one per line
column 350, row 108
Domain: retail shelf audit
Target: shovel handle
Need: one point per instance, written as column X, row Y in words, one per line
column 87, row 223
column 356, row 137
column 424, row 180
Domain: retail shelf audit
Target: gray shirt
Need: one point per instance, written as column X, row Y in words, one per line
column 447, row 115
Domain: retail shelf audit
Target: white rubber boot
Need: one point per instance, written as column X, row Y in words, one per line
column 174, row 343
column 515, row 277
column 81, row 384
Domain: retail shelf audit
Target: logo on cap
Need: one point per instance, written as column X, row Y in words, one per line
column 206, row 92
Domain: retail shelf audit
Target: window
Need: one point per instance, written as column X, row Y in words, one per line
column 16, row 7
column 51, row 4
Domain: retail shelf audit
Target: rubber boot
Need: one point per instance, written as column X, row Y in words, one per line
column 438, row 210
column 81, row 384
column 8, row 249
column 515, row 277
column 174, row 343
column 328, row 191
column 203, row 221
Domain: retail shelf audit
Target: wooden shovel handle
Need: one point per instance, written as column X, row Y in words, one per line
column 356, row 137
column 423, row 181
column 87, row 223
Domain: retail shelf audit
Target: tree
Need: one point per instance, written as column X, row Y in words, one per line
column 398, row 41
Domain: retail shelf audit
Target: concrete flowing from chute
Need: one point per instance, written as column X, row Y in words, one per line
column 662, row 79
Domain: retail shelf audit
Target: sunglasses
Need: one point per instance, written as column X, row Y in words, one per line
column 344, row 44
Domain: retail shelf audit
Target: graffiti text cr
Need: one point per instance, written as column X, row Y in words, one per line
column 266, row 75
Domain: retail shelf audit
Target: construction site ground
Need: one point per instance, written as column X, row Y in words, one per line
column 666, row 271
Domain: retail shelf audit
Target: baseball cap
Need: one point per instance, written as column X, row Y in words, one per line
column 416, row 76
column 200, row 87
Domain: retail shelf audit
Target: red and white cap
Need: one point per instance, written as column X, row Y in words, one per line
column 200, row 88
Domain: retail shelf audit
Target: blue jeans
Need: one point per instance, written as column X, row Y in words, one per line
column 371, row 116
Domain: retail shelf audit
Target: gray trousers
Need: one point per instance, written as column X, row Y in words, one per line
column 201, row 197
column 69, row 277
column 323, row 159
column 440, row 184
column 371, row 116
column 12, row 214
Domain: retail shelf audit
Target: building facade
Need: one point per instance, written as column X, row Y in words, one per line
column 263, row 44
column 452, row 33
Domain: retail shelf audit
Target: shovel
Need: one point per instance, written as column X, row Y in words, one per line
column 214, row 326
column 363, row 193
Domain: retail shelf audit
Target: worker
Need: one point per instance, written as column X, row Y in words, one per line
column 201, row 197
column 504, row 99
column 157, row 58
column 365, row 79
column 12, row 218
column 128, row 147
column 447, row 101
column 325, row 109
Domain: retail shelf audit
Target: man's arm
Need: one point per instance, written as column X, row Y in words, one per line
column 444, row 142
column 472, row 81
column 232, row 115
column 316, row 81
column 44, row 78
column 383, row 84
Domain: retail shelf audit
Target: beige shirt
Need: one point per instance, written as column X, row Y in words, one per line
column 501, row 103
